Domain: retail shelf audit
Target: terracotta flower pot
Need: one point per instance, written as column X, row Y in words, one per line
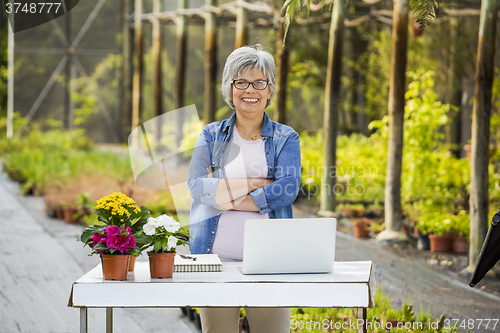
column 360, row 228
column 69, row 214
column 460, row 245
column 161, row 265
column 114, row 266
column 441, row 243
column 131, row 263
column 60, row 213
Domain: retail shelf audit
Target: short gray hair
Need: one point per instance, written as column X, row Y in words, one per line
column 245, row 58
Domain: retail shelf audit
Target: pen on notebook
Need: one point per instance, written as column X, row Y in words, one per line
column 187, row 257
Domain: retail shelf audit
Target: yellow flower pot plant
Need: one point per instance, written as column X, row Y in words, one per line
column 118, row 236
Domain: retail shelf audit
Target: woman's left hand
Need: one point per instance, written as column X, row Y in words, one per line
column 226, row 206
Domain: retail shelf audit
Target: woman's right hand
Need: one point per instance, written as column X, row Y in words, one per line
column 255, row 183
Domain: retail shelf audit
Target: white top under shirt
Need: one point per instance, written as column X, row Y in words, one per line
column 249, row 163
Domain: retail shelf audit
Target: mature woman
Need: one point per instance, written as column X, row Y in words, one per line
column 244, row 167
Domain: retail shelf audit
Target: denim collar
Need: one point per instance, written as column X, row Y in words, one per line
column 267, row 128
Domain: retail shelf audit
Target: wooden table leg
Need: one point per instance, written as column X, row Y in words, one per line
column 109, row 320
column 362, row 317
column 83, row 320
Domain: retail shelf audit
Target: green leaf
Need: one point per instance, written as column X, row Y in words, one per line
column 101, row 246
column 425, row 10
column 89, row 231
column 289, row 7
column 102, row 219
column 140, row 219
column 157, row 246
column 163, row 244
column 142, row 242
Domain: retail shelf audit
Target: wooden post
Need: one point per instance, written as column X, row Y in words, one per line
column 126, row 101
column 138, row 69
column 282, row 68
column 241, row 27
column 210, row 63
column 331, row 112
column 180, row 58
column 455, row 84
column 180, row 70
column 397, row 89
column 157, row 68
column 481, row 129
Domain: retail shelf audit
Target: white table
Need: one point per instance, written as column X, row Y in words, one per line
column 348, row 286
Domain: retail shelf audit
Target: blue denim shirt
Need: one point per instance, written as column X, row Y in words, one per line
column 282, row 150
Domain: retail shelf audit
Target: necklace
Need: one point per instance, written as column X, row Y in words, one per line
column 251, row 137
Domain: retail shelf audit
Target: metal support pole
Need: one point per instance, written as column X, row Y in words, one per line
column 10, row 79
column 109, row 320
column 362, row 316
column 125, row 117
column 83, row 320
column 68, row 111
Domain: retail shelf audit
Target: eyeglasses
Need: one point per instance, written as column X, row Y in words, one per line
column 242, row 84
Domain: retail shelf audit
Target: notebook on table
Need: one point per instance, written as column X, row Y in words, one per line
column 286, row 246
column 203, row 263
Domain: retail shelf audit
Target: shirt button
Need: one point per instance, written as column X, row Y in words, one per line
column 213, row 232
column 267, row 153
column 208, row 249
column 271, row 169
column 213, row 163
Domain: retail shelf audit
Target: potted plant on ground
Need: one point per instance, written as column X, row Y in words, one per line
column 164, row 233
column 117, row 237
column 353, row 210
column 375, row 211
column 76, row 211
column 439, row 227
column 461, row 227
column 361, row 227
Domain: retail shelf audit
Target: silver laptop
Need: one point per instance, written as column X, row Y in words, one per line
column 284, row 246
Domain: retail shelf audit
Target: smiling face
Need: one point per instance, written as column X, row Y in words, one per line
column 251, row 102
